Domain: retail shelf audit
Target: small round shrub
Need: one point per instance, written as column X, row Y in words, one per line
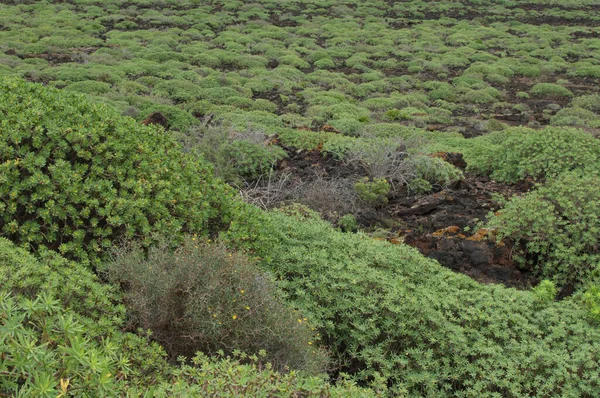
column 373, row 191
column 435, row 171
column 202, row 297
column 89, row 87
column 550, row 90
column 576, row 117
column 348, row 223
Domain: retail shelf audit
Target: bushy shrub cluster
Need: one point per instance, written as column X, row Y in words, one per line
column 556, row 227
column 60, row 335
column 75, row 176
column 205, row 298
column 391, row 316
column 60, row 332
column 514, row 154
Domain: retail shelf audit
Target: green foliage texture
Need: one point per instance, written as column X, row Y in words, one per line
column 75, row 176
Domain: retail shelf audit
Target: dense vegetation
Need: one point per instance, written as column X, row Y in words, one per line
column 129, row 266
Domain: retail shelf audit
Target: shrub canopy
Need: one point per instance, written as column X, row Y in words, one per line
column 75, row 176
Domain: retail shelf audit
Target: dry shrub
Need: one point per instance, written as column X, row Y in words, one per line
column 202, row 297
column 328, row 196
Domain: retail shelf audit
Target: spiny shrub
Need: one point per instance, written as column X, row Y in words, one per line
column 390, row 315
column 201, row 297
column 75, row 176
column 558, row 227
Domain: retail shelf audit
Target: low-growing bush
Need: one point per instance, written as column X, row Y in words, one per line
column 431, row 172
column 576, row 117
column 202, row 297
column 236, row 155
column 556, row 227
column 550, row 90
column 391, row 316
column 60, row 332
column 60, row 335
column 516, row 153
column 373, row 191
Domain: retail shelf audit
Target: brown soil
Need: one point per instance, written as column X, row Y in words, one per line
column 441, row 225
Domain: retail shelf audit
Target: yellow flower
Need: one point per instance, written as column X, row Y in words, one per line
column 234, row 317
column 214, row 315
column 299, row 320
column 242, row 291
column 310, row 343
column 248, row 308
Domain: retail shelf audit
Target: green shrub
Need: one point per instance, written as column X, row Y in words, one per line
column 435, row 171
column 60, row 330
column 240, row 375
column 60, row 333
column 89, row 87
column 373, row 191
column 235, row 156
column 557, row 226
column 348, row 223
column 324, row 63
column 575, row 117
column 591, row 300
column 204, row 298
column 391, row 316
column 545, row 292
column 253, row 160
column 514, row 154
column 483, row 96
column 550, row 90
column 76, row 176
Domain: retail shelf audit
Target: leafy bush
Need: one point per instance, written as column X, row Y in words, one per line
column 435, row 171
column 89, row 87
column 514, row 154
column 545, row 291
column 76, row 176
column 373, row 191
column 576, row 117
column 204, row 298
column 235, row 155
column 558, row 227
column 591, row 300
column 60, row 331
column 391, row 316
column 253, row 160
column 240, row 375
column 550, row 90
column 60, row 336
column 348, row 223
